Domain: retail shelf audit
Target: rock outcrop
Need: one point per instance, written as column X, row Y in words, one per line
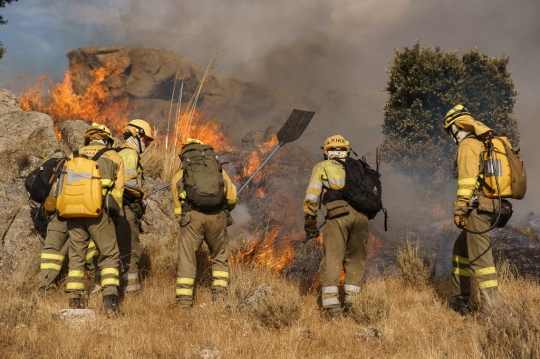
column 26, row 141
column 147, row 77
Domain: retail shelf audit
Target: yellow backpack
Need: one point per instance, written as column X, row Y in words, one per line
column 79, row 189
column 504, row 170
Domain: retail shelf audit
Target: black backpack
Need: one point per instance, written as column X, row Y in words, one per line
column 362, row 189
column 203, row 181
column 39, row 182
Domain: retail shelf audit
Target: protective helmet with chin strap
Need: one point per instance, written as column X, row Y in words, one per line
column 336, row 141
column 139, row 128
column 456, row 112
column 98, row 132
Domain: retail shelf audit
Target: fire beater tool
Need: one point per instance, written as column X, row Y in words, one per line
column 291, row 131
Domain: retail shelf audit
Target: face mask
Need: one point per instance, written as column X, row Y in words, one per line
column 457, row 133
column 337, row 154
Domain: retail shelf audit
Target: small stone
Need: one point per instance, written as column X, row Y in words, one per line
column 76, row 317
column 367, row 333
column 210, row 353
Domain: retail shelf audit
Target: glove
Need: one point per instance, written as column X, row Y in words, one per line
column 310, row 226
column 460, row 221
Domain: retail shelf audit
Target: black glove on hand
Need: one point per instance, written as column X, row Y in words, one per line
column 310, row 226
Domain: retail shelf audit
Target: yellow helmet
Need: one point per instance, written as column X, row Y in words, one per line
column 138, row 128
column 336, row 141
column 97, row 132
column 454, row 114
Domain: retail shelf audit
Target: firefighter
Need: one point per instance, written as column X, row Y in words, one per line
column 137, row 136
column 100, row 229
column 55, row 251
column 472, row 253
column 346, row 231
column 200, row 220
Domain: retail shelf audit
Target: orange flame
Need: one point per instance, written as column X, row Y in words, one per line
column 95, row 105
column 267, row 253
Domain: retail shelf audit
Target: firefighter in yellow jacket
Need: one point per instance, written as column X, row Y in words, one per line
column 100, row 229
column 472, row 253
column 198, row 223
column 137, row 136
column 346, row 230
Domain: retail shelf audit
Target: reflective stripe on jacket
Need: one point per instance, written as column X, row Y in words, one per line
column 133, row 171
column 328, row 174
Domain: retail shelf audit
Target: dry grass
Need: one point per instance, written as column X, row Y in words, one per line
column 414, row 321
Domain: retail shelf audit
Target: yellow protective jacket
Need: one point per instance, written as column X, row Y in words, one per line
column 133, row 171
column 469, row 167
column 111, row 168
column 179, row 195
column 328, row 174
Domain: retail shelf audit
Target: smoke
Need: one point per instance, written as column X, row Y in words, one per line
column 331, row 53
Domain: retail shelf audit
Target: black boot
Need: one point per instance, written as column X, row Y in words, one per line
column 75, row 303
column 110, row 306
column 462, row 307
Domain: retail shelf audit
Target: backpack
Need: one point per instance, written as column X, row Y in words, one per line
column 40, row 181
column 79, row 190
column 504, row 170
column 202, row 178
column 362, row 189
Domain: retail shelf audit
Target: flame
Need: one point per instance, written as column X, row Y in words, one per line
column 254, row 161
column 97, row 104
column 267, row 252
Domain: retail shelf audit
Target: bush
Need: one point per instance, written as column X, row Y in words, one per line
column 415, row 269
column 370, row 306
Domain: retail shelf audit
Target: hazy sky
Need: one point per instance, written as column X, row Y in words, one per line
column 301, row 46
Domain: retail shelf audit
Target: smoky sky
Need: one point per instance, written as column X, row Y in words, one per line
column 306, row 47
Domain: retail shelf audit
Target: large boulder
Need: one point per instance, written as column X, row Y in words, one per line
column 25, row 136
column 147, row 77
column 27, row 140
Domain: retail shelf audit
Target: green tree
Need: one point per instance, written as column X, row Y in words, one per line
column 424, row 83
column 3, row 3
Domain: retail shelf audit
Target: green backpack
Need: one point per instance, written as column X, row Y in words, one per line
column 203, row 181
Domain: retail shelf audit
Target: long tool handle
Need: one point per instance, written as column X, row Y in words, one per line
column 158, row 189
column 260, row 167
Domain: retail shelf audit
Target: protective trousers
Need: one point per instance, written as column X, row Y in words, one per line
column 473, row 254
column 127, row 235
column 194, row 228
column 55, row 251
column 345, row 244
column 101, row 231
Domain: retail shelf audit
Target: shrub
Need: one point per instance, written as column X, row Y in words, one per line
column 415, row 269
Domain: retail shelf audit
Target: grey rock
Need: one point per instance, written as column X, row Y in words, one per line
column 210, row 353
column 72, row 135
column 76, row 317
column 368, row 333
column 254, row 299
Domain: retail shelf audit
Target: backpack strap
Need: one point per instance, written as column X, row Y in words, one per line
column 99, row 153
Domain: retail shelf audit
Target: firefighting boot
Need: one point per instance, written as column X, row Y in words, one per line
column 75, row 303
column 184, row 302
column 462, row 307
column 333, row 313
column 219, row 294
column 110, row 306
